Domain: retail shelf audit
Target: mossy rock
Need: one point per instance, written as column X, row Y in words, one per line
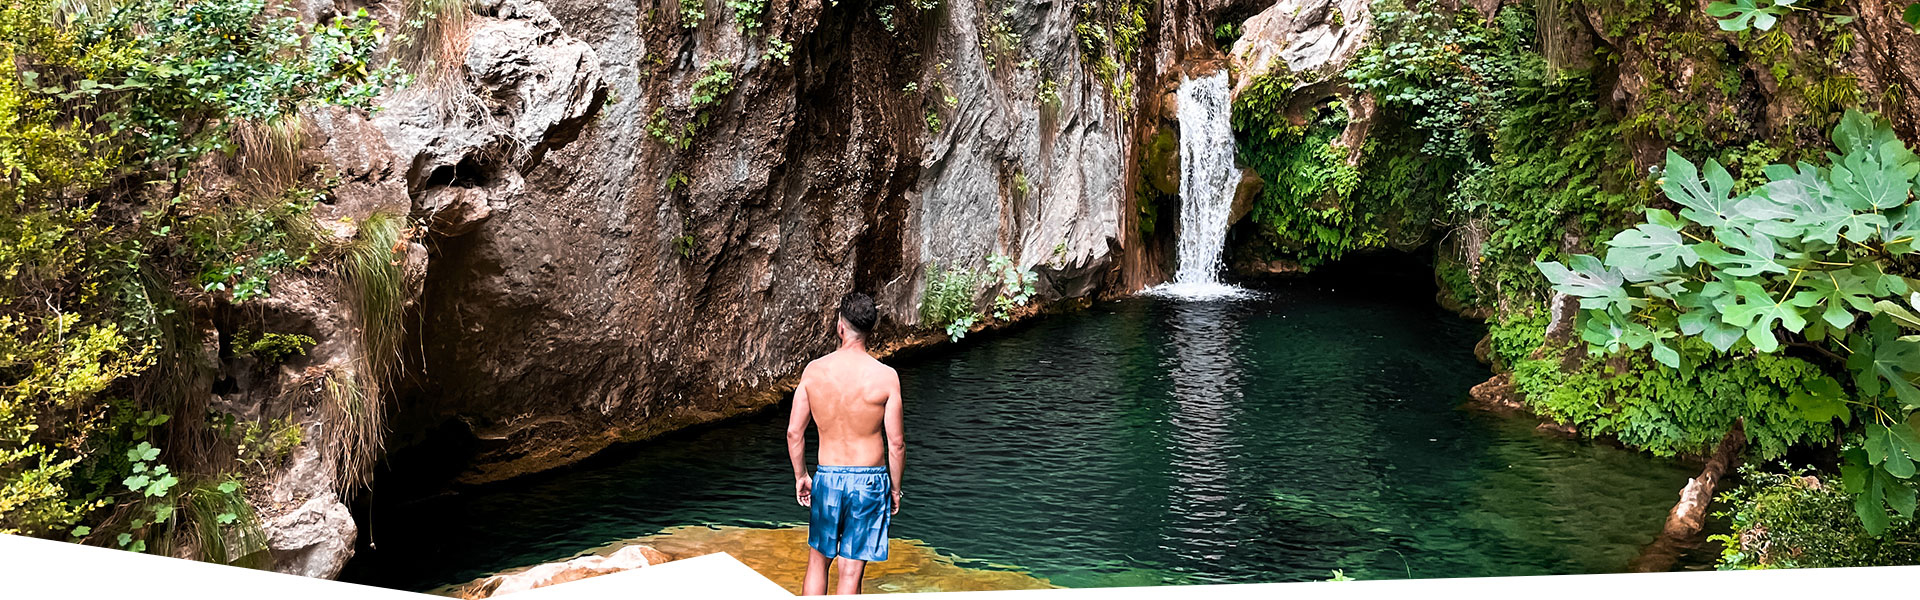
column 1163, row 162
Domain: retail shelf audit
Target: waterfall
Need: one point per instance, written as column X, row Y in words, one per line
column 1207, row 181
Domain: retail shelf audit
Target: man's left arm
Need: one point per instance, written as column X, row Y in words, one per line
column 896, row 440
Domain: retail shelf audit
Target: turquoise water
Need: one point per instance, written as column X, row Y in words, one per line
column 1139, row 442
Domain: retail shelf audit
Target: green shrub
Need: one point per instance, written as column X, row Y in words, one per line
column 1669, row 413
column 692, row 12
column 1794, row 519
column 747, row 14
column 948, row 302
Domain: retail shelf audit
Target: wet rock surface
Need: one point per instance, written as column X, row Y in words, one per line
column 779, row 554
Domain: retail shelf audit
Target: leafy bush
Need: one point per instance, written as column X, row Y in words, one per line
column 692, row 12
column 948, row 302
column 1794, row 519
column 747, row 14
column 1013, row 285
column 102, row 113
column 1671, row 413
column 1809, row 255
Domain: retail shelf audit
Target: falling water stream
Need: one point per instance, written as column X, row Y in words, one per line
column 1207, row 180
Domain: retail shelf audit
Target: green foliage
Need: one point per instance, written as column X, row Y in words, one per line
column 1741, row 15
column 1013, row 285
column 1226, row 34
column 1111, row 33
column 1306, row 202
column 1446, row 74
column 271, row 348
column 1796, row 520
column 1048, row 94
column 711, row 88
column 103, row 109
column 1811, row 255
column 263, row 445
column 1514, row 336
column 239, row 248
column 1457, row 282
column 747, row 14
column 948, row 301
column 1912, row 16
column 1556, row 164
column 780, row 51
column 1668, row 413
column 692, row 12
column 715, row 82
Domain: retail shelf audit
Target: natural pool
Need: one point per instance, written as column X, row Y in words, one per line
column 1140, row 442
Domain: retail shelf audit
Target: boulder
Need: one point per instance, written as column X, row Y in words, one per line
column 313, row 540
column 1244, row 195
column 1313, row 39
column 595, row 565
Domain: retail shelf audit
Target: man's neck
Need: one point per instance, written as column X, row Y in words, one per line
column 853, row 344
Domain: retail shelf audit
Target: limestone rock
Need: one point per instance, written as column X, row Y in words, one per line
column 524, row 89
column 314, row 540
column 1313, row 39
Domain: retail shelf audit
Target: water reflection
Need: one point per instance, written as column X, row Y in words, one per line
column 1206, row 396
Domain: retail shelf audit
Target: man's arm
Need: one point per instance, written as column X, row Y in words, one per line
column 797, row 443
column 896, row 439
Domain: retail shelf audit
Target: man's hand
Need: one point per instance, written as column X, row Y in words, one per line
column 896, row 502
column 803, row 491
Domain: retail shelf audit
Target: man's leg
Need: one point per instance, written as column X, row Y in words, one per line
column 850, row 572
column 816, row 582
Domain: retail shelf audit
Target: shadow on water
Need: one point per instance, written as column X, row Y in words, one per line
column 1139, row 442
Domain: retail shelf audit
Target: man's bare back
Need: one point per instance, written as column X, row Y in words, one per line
column 855, row 402
column 847, row 394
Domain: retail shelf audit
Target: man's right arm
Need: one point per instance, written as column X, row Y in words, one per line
column 797, row 443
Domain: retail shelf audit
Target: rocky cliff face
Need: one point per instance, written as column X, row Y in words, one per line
column 628, row 218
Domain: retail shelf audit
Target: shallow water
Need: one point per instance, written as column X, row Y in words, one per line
column 1141, row 442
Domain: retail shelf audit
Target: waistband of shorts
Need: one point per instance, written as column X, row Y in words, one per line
column 858, row 470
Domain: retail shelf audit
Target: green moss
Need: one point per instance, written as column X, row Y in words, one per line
column 1163, row 162
column 272, row 348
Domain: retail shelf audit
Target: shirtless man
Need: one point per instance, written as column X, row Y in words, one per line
column 856, row 489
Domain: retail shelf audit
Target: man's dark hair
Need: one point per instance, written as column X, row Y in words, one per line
column 858, row 311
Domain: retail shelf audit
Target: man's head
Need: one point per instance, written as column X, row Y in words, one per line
column 857, row 316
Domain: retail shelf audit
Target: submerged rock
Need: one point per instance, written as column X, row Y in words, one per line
column 779, row 554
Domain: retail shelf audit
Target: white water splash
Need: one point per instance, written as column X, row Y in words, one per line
column 1207, row 181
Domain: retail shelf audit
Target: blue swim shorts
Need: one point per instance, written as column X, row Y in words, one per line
column 852, row 507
